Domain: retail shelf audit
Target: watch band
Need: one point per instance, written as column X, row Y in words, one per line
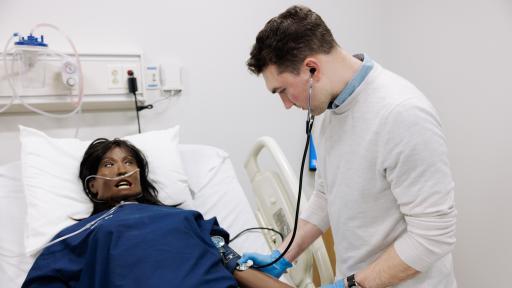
column 351, row 281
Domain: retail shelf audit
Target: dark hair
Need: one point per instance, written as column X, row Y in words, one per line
column 288, row 39
column 91, row 161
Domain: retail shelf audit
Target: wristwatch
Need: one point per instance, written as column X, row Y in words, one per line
column 351, row 281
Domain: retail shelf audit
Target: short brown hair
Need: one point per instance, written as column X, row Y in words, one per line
column 288, row 39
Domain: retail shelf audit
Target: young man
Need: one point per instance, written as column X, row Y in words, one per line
column 383, row 182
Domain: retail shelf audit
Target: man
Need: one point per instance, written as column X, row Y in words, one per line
column 383, row 182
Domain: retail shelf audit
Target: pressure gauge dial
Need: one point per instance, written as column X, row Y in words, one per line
column 218, row 241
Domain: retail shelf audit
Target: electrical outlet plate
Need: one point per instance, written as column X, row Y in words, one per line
column 115, row 77
column 118, row 75
column 152, row 77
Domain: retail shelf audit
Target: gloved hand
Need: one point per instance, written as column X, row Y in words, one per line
column 276, row 270
column 337, row 284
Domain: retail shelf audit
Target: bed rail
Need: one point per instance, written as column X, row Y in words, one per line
column 276, row 195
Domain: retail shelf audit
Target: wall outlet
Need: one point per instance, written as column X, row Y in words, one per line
column 118, row 75
column 115, row 77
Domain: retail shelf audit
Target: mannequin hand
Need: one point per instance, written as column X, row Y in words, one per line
column 276, row 270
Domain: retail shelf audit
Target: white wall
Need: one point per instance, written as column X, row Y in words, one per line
column 457, row 52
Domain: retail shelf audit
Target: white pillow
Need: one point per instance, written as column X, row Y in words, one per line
column 54, row 192
column 13, row 265
column 12, row 209
column 201, row 163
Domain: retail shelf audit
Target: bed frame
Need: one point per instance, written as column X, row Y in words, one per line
column 276, row 195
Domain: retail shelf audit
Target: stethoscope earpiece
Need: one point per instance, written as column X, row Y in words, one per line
column 310, row 117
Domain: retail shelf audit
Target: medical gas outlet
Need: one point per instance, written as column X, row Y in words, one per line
column 69, row 73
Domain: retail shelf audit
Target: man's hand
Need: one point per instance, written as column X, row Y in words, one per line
column 276, row 270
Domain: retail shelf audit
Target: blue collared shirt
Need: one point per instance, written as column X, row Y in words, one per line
column 354, row 82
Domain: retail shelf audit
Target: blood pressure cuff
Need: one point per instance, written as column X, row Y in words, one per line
column 229, row 256
column 217, row 231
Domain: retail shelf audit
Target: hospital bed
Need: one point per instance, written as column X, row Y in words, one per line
column 216, row 192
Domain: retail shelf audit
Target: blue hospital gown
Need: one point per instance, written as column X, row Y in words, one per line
column 138, row 246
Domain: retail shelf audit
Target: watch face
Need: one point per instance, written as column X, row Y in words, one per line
column 218, row 241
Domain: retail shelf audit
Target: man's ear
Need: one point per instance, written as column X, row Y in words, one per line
column 311, row 64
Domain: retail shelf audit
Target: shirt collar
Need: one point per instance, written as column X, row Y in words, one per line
column 352, row 85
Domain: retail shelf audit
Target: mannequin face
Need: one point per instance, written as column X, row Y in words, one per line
column 117, row 162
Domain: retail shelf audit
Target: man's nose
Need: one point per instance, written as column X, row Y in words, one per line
column 286, row 101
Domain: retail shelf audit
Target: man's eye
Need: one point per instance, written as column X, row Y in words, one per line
column 108, row 164
column 129, row 162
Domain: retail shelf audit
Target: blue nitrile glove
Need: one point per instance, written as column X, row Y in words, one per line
column 337, row 284
column 276, row 270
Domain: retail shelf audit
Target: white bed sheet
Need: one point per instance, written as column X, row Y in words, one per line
column 214, row 187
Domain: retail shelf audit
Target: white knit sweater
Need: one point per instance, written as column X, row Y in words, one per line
column 383, row 179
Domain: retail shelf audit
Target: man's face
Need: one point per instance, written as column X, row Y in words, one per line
column 117, row 162
column 293, row 89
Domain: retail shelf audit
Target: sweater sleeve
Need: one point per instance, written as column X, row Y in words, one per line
column 414, row 160
column 316, row 210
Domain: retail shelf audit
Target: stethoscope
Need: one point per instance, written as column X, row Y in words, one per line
column 309, row 126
